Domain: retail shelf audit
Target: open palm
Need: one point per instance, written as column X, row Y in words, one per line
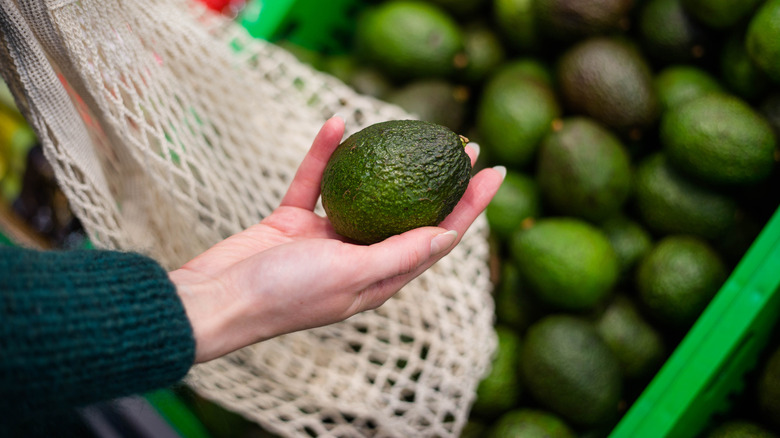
column 292, row 271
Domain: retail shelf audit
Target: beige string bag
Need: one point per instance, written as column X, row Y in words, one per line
column 169, row 129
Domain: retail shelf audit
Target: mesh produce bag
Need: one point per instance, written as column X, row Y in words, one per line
column 169, row 129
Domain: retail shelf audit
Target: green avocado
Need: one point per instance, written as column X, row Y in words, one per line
column 583, row 170
column 570, row 370
column 609, row 79
column 394, row 176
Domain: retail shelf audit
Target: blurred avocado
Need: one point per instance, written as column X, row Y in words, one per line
column 740, row 428
column 568, row 368
column 676, row 84
column 677, row 279
column 408, row 39
column 567, row 263
column 762, row 38
column 609, row 80
column 526, row 67
column 721, row 14
column 738, row 70
column 569, row 20
column 530, row 423
column 692, row 135
column 670, row 35
column 518, row 24
column 500, row 390
column 583, row 170
column 517, row 201
column 630, row 240
column 370, row 81
column 433, row 100
column 638, row 346
column 516, row 307
column 667, row 202
column 513, row 116
column 342, row 66
column 483, row 52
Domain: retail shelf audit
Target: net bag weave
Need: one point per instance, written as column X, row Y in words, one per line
column 169, row 129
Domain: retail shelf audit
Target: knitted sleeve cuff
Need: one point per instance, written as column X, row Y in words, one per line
column 84, row 326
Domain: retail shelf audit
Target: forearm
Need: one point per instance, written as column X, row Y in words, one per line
column 79, row 327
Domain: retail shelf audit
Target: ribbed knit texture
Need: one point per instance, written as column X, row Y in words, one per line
column 77, row 327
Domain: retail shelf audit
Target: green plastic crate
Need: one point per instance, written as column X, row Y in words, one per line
column 325, row 27
column 723, row 345
column 710, row 363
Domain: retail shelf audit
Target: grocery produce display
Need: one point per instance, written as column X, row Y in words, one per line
column 641, row 141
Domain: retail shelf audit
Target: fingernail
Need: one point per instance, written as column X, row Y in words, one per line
column 474, row 146
column 501, row 170
column 340, row 116
column 443, row 241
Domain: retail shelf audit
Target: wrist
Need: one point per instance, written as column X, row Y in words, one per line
column 212, row 314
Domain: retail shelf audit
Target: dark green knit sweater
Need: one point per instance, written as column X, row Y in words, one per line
column 77, row 327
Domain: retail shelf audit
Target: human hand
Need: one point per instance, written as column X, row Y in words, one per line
column 292, row 271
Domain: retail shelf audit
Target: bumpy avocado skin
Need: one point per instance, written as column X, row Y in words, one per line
column 394, row 176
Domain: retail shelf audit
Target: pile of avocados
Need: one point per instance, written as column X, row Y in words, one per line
column 641, row 142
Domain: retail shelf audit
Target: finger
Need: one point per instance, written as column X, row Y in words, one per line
column 305, row 187
column 404, row 252
column 481, row 189
column 390, row 264
column 472, row 149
